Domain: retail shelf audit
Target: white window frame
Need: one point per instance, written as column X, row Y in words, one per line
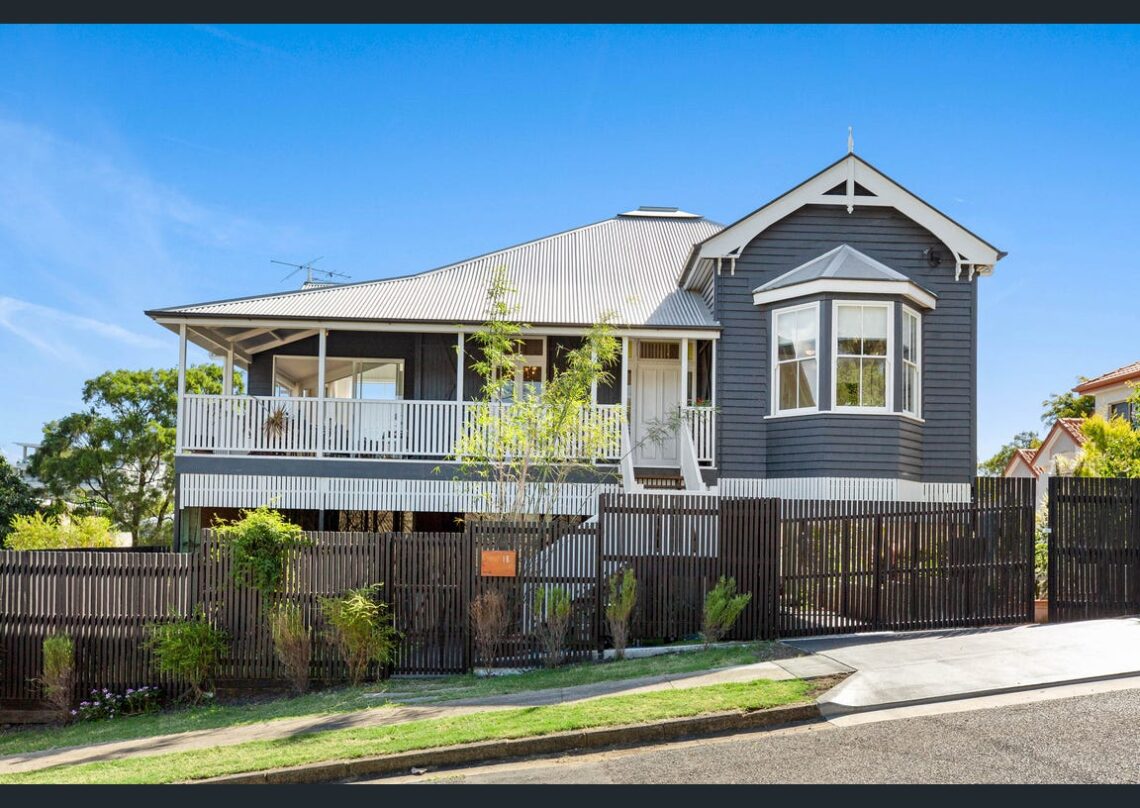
column 890, row 380
column 398, row 360
column 774, row 409
column 907, row 311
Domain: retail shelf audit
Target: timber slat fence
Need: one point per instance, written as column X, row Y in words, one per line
column 813, row 567
column 1094, row 547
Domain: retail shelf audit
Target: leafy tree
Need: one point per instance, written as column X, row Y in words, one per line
column 39, row 532
column 16, row 498
column 261, row 544
column 116, row 457
column 530, row 442
column 996, row 464
column 1112, row 449
column 1066, row 405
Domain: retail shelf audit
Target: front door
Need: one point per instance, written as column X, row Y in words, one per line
column 656, row 396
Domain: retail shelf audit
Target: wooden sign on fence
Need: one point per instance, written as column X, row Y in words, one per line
column 498, row 563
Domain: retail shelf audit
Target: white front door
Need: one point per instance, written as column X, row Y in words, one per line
column 656, row 395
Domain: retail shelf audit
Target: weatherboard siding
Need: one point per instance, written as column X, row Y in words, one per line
column 749, row 445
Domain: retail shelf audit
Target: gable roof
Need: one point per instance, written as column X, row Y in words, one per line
column 842, row 268
column 1118, row 376
column 1025, row 457
column 1062, row 426
column 851, row 182
column 627, row 265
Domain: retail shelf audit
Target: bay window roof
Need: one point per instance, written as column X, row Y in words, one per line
column 842, row 269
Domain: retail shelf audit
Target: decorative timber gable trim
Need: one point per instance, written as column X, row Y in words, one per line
column 850, row 182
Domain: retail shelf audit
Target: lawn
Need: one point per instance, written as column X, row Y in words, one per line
column 395, row 691
column 369, row 741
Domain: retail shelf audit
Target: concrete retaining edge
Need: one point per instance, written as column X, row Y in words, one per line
column 486, row 751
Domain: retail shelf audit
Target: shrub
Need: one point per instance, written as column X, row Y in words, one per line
column 261, row 544
column 102, row 704
column 39, row 532
column 189, row 649
column 552, row 610
column 361, row 628
column 489, row 622
column 1041, row 555
column 722, row 607
column 619, row 608
column 59, row 671
column 292, row 642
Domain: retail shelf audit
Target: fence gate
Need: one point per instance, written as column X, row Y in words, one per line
column 847, row 567
column 1094, row 547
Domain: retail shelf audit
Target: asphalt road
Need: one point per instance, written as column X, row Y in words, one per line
column 1086, row 739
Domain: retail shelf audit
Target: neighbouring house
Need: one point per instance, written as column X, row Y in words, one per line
column 824, row 345
column 1112, row 390
column 1056, row 456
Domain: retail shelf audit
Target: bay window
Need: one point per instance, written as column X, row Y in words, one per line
column 862, row 350
column 795, row 362
column 911, row 363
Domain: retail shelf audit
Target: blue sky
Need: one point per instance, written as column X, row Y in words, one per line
column 142, row 167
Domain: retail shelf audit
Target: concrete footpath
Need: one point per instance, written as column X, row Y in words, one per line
column 928, row 666
column 792, row 668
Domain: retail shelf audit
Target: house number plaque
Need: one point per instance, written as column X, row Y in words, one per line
column 497, row 563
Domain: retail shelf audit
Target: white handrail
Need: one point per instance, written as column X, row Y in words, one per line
column 702, row 426
column 629, row 482
column 690, row 468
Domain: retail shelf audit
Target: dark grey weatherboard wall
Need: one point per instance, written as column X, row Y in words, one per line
column 940, row 450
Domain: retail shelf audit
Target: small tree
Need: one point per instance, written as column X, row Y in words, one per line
column 552, row 609
column 292, row 642
column 16, row 497
column 528, row 442
column 722, row 607
column 996, row 464
column 261, row 545
column 619, row 608
column 59, row 672
column 1112, row 448
column 361, row 627
column 490, row 620
column 1067, row 405
column 189, row 649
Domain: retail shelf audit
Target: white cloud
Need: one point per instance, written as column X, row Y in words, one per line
column 61, row 334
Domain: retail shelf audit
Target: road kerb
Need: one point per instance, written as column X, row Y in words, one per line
column 486, row 751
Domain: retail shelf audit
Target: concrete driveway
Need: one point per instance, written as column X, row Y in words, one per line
column 915, row 667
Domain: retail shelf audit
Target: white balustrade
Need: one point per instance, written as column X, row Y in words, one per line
column 702, row 426
column 239, row 424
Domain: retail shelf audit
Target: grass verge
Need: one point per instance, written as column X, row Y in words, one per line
column 370, row 741
column 396, row 691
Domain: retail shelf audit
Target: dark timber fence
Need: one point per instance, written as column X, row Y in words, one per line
column 1094, row 547
column 812, row 568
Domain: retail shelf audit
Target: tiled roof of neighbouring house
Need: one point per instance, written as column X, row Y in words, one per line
column 1072, row 426
column 1027, row 456
column 1117, row 376
column 628, row 265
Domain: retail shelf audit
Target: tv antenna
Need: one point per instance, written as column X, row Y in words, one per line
column 324, row 275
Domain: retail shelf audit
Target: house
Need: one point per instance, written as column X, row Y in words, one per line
column 1112, row 390
column 1056, row 456
column 833, row 330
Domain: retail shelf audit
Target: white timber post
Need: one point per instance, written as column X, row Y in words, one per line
column 712, row 376
column 625, row 372
column 684, row 371
column 322, row 340
column 460, row 361
column 228, row 373
column 178, row 427
column 594, row 381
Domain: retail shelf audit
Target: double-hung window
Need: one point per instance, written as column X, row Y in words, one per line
column 795, row 360
column 911, row 362
column 862, row 351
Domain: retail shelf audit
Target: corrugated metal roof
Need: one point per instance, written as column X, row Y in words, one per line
column 628, row 265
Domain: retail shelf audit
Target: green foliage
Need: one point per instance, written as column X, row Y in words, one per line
column 1041, row 554
column 519, row 437
column 116, row 457
column 39, row 532
column 995, row 466
column 722, row 607
column 1066, row 405
column 552, row 609
column 619, row 608
column 261, row 545
column 16, row 498
column 1111, row 449
column 59, row 671
column 361, row 627
column 189, row 649
column 292, row 642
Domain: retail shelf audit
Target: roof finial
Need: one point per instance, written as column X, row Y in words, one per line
column 850, row 140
